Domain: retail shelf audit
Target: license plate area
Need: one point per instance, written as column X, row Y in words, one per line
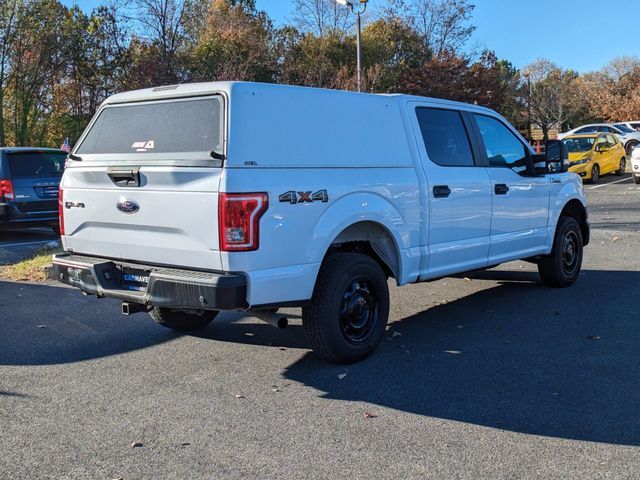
column 135, row 279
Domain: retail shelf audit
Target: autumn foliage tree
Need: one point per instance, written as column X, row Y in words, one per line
column 58, row 63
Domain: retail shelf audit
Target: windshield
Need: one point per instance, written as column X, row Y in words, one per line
column 36, row 164
column 579, row 144
column 176, row 126
column 623, row 128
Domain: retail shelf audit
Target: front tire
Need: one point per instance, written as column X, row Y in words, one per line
column 561, row 268
column 623, row 167
column 182, row 320
column 636, row 179
column 595, row 174
column 349, row 309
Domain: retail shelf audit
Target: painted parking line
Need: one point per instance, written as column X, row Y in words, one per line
column 610, row 183
column 24, row 244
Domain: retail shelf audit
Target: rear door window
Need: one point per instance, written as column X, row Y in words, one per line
column 36, row 164
column 166, row 127
column 445, row 137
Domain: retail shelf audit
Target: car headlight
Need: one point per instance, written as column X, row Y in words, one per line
column 583, row 161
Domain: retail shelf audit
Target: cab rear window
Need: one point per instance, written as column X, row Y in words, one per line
column 36, row 164
column 175, row 126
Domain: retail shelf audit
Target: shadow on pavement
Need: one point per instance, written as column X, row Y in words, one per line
column 44, row 325
column 519, row 357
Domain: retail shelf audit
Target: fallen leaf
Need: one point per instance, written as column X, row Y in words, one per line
column 283, row 348
column 185, row 444
column 614, row 239
column 42, row 326
column 467, row 279
column 240, row 396
column 342, row 375
column 593, row 337
column 276, row 390
column 396, row 334
column 453, row 352
column 370, row 415
column 136, row 444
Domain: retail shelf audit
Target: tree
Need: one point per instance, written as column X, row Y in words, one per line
column 163, row 26
column 320, row 17
column 10, row 12
column 553, row 96
column 36, row 63
column 235, row 44
column 443, row 24
column 613, row 93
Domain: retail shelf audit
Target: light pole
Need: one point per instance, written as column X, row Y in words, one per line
column 358, row 12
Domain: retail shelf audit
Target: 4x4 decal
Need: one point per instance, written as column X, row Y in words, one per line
column 294, row 197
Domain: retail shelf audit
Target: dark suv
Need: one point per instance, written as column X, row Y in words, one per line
column 29, row 181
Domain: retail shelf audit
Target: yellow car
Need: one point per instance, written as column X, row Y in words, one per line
column 596, row 154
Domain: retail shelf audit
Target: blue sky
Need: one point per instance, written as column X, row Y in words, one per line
column 572, row 33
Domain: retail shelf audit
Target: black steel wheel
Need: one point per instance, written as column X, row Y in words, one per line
column 348, row 313
column 562, row 267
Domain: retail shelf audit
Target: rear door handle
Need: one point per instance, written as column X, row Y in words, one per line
column 501, row 189
column 441, row 191
column 129, row 177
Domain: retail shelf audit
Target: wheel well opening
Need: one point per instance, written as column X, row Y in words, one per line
column 372, row 239
column 576, row 210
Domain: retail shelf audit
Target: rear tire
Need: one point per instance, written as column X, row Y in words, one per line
column 623, row 167
column 349, row 309
column 561, row 268
column 182, row 320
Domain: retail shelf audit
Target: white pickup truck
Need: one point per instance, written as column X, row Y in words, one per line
column 186, row 200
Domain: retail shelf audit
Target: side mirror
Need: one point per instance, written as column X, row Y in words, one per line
column 556, row 157
column 598, row 148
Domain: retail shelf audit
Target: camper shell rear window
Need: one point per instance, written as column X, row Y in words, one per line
column 175, row 128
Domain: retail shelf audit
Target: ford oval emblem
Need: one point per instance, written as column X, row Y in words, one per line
column 128, row 206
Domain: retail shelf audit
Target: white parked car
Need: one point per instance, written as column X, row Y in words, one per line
column 635, row 165
column 186, row 200
column 629, row 137
column 633, row 125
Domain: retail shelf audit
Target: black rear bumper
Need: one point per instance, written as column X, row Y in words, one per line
column 167, row 287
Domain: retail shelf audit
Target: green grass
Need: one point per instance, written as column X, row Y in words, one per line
column 30, row 269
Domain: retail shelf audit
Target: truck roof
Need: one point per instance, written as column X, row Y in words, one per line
column 203, row 88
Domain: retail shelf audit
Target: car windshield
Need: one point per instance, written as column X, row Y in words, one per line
column 579, row 144
column 623, row 128
column 176, row 126
column 36, row 164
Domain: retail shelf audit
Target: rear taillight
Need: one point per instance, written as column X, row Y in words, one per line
column 239, row 220
column 6, row 190
column 61, row 212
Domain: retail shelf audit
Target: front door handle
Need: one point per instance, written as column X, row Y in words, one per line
column 441, row 191
column 501, row 189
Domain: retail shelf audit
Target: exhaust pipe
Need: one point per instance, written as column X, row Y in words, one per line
column 271, row 317
column 131, row 308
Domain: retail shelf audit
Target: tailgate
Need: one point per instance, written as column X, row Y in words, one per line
column 170, row 219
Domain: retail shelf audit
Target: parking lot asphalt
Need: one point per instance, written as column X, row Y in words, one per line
column 18, row 244
column 490, row 375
